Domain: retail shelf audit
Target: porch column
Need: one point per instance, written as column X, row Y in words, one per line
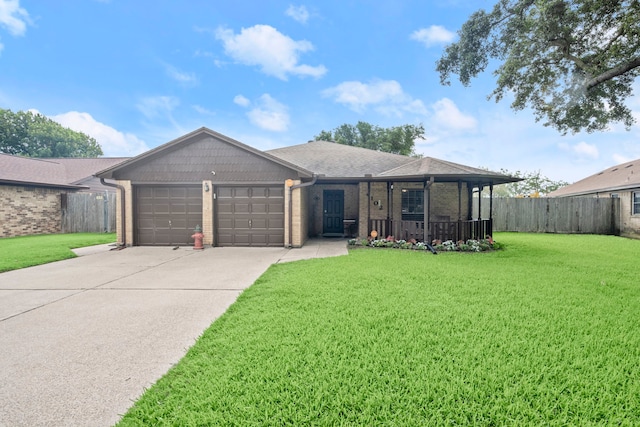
column 425, row 213
column 459, row 200
column 369, row 198
column 469, row 201
column 479, row 202
column 491, row 201
column 490, row 210
column 391, row 229
column 459, row 225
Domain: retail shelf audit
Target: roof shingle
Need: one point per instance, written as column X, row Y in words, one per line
column 620, row 177
column 59, row 172
column 335, row 160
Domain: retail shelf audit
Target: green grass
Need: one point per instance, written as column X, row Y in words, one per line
column 543, row 332
column 27, row 251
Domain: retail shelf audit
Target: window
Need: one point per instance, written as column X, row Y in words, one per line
column 635, row 203
column 413, row 204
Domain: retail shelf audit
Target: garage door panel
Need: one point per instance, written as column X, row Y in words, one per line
column 225, row 207
column 259, row 208
column 241, row 207
column 276, row 208
column 166, row 215
column 224, row 192
column 260, row 223
column 260, row 239
column 161, row 193
column 224, row 224
column 276, row 192
column 250, row 216
column 241, row 225
column 276, row 223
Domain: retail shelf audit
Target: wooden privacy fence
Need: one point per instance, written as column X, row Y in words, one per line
column 88, row 212
column 587, row 215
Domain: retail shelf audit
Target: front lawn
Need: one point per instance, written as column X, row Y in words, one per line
column 542, row 332
column 27, row 251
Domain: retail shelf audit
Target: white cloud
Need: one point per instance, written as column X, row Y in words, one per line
column 241, row 101
column 298, row 13
column 619, row 158
column 182, row 77
column 434, row 35
column 276, row 54
column 13, row 17
column 581, row 149
column 205, row 112
column 448, row 116
column 267, row 113
column 386, row 96
column 113, row 142
column 157, row 106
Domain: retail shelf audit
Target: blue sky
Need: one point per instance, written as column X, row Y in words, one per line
column 136, row 74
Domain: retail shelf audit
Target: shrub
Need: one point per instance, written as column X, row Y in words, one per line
column 470, row 245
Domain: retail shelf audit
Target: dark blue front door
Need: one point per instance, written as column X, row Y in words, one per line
column 333, row 211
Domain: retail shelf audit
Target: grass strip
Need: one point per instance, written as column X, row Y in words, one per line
column 27, row 251
column 543, row 332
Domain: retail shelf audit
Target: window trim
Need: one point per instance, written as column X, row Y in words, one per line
column 635, row 203
column 411, row 209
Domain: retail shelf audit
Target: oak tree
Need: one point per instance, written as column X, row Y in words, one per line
column 573, row 62
column 396, row 139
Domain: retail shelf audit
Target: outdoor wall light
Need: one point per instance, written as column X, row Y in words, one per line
column 206, row 187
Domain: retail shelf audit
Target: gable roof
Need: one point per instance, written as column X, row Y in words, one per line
column 186, row 139
column 73, row 173
column 335, row 160
column 620, row 177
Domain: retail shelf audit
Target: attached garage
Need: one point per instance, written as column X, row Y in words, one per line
column 250, row 216
column 166, row 215
column 234, row 192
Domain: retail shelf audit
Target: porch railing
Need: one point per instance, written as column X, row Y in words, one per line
column 440, row 230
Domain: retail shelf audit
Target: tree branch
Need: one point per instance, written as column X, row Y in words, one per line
column 563, row 44
column 613, row 72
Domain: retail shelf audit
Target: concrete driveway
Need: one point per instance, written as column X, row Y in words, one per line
column 81, row 339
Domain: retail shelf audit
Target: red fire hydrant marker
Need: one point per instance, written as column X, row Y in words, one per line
column 197, row 237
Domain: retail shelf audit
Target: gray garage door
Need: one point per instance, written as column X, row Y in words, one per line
column 250, row 216
column 166, row 215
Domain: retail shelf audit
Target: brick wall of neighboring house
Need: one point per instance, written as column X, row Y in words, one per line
column 629, row 223
column 26, row 210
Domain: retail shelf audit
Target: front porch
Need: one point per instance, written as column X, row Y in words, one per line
column 437, row 230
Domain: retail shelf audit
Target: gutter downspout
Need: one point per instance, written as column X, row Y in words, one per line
column 123, row 229
column 293, row 187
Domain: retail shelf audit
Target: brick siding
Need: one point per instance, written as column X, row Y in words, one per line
column 26, row 210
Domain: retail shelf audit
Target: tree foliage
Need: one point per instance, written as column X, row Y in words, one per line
column 396, row 140
column 534, row 184
column 572, row 61
column 33, row 135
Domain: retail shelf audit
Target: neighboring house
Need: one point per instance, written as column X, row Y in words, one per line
column 242, row 196
column 621, row 181
column 32, row 190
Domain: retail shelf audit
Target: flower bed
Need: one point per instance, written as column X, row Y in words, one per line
column 470, row 245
